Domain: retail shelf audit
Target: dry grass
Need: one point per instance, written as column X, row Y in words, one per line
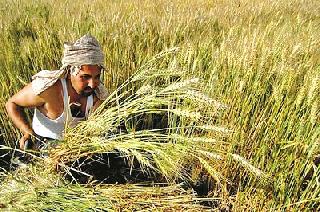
column 34, row 189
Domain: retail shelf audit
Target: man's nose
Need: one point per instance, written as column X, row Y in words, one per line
column 92, row 83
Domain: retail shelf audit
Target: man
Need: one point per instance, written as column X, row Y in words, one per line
column 61, row 97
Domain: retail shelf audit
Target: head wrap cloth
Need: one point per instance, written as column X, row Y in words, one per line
column 85, row 51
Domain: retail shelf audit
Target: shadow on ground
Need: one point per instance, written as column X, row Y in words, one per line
column 110, row 168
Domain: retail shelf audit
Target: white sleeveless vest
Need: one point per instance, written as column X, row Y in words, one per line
column 49, row 128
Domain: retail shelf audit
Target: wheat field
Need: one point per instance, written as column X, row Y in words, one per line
column 247, row 77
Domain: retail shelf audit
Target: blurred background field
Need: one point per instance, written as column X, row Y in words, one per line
column 259, row 58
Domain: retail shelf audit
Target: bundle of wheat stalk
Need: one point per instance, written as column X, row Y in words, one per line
column 166, row 125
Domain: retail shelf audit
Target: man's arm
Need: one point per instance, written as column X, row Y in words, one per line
column 25, row 98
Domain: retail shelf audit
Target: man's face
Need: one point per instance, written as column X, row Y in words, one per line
column 87, row 80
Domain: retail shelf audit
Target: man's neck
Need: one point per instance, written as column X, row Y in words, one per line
column 72, row 93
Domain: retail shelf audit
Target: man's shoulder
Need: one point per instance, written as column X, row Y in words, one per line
column 45, row 79
column 52, row 91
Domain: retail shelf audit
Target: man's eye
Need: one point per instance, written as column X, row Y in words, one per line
column 85, row 77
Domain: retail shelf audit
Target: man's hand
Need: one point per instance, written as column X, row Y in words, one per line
column 24, row 141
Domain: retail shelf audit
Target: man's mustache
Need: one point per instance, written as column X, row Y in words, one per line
column 88, row 89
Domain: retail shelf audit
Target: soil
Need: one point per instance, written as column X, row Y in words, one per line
column 110, row 168
column 5, row 157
